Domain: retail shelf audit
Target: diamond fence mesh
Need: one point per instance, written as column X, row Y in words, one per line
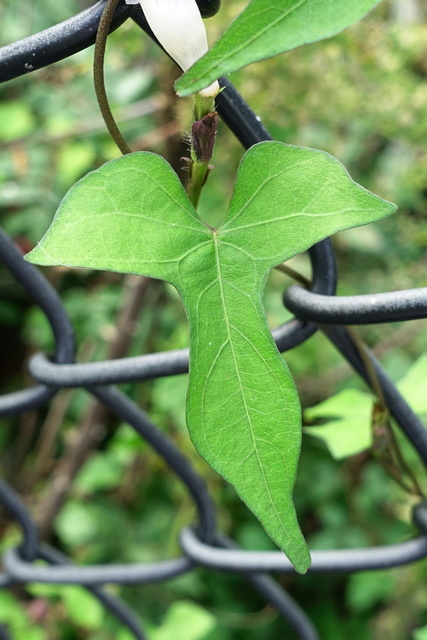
column 315, row 309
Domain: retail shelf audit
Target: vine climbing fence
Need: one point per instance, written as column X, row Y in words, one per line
column 316, row 309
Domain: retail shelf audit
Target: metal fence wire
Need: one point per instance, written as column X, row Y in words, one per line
column 202, row 545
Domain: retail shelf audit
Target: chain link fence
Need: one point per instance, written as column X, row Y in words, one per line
column 315, row 309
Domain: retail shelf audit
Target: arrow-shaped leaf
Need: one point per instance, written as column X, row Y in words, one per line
column 132, row 215
column 265, row 29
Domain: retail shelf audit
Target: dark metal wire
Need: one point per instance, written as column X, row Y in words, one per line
column 201, row 545
column 273, row 593
column 56, row 43
column 337, row 560
column 4, row 633
column 407, row 420
column 115, row 605
column 47, row 299
column 367, row 309
column 30, row 550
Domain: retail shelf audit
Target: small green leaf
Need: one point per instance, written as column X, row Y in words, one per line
column 368, row 590
column 185, row 620
column 41, row 590
column 243, row 414
column 11, row 611
column 16, row 120
column 265, row 29
column 347, row 428
column 33, row 633
column 420, row 634
column 83, row 609
column 412, row 386
column 102, row 471
column 76, row 524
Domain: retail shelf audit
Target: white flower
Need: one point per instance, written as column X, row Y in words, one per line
column 178, row 26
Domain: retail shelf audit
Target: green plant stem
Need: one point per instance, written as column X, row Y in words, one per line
column 370, row 370
column 202, row 106
column 199, row 169
column 199, row 174
column 98, row 76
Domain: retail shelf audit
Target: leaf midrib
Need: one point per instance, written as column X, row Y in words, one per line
column 262, row 31
column 236, row 368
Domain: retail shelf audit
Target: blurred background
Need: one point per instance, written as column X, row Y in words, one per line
column 361, row 96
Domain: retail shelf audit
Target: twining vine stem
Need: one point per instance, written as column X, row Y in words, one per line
column 98, row 76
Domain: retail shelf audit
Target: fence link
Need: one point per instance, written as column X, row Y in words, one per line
column 316, row 309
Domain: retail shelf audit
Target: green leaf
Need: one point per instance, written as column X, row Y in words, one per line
column 265, row 29
column 347, row 416
column 368, row 590
column 420, row 634
column 77, row 523
column 11, row 611
column 83, row 608
column 41, row 590
column 185, row 620
column 16, row 120
column 132, row 215
column 102, row 471
column 121, row 218
column 412, row 386
column 34, row 633
column 347, row 429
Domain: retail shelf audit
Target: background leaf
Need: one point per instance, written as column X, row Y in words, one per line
column 263, row 30
column 83, row 608
column 16, row 120
column 347, row 429
column 420, row 634
column 412, row 386
column 368, row 589
column 185, row 620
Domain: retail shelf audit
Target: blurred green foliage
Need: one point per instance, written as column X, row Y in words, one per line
column 361, row 96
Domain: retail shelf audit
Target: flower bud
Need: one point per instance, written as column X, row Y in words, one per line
column 203, row 134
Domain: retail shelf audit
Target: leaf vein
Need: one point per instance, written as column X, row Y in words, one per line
column 240, row 383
